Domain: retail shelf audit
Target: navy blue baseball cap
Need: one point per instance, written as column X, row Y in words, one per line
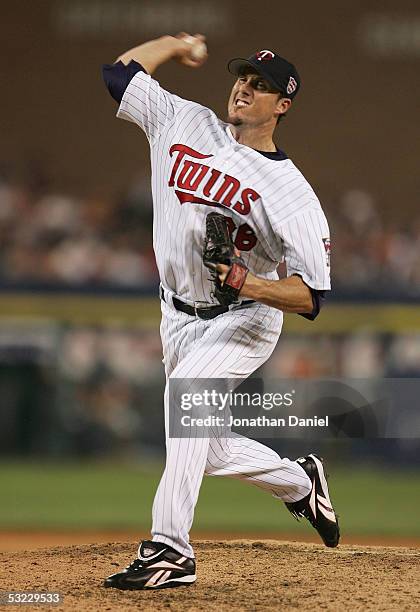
column 280, row 73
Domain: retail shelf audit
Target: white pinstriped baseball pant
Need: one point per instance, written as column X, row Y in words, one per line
column 232, row 345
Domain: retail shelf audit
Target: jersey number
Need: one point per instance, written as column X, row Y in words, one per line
column 245, row 239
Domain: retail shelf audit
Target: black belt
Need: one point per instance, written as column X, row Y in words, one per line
column 208, row 312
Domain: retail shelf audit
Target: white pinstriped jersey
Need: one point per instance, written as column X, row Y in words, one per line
column 197, row 165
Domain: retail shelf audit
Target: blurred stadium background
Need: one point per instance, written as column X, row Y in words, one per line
column 81, row 433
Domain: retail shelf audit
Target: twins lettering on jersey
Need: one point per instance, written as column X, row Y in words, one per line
column 189, row 176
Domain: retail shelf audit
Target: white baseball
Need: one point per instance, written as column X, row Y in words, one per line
column 198, row 47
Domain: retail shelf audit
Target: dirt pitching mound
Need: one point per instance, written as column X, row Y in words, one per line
column 234, row 575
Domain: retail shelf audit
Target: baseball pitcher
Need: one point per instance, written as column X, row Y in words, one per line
column 229, row 205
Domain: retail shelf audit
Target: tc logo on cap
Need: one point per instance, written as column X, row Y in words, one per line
column 264, row 55
column 291, row 85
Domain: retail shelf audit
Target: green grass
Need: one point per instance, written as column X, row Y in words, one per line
column 101, row 496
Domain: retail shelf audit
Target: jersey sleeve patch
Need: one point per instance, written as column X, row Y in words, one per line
column 327, row 247
column 306, row 248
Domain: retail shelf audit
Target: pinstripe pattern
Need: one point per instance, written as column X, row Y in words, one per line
column 287, row 218
column 231, row 346
column 285, row 221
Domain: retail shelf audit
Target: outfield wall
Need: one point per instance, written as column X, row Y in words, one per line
column 144, row 312
column 81, row 375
